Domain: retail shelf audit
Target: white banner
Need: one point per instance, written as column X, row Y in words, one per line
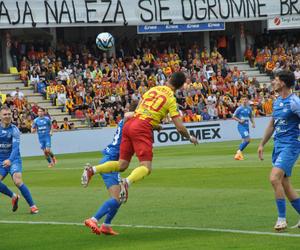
column 284, row 22
column 59, row 13
column 213, row 131
column 98, row 139
column 69, row 141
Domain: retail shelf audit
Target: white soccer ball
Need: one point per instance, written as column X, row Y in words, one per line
column 105, row 41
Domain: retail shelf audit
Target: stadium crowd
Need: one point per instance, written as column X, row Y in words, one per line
column 23, row 112
column 98, row 87
column 272, row 54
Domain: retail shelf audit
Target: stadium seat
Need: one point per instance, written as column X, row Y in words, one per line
column 13, row 70
column 2, row 97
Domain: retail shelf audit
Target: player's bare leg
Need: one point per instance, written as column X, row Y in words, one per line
column 290, row 192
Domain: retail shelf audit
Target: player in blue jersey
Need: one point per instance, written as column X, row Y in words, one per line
column 11, row 162
column 285, row 122
column 43, row 126
column 243, row 115
column 112, row 182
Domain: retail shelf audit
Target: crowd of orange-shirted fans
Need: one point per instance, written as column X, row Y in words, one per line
column 23, row 112
column 276, row 54
column 98, row 87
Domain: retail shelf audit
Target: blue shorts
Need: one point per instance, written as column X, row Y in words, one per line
column 284, row 157
column 16, row 167
column 45, row 142
column 244, row 132
column 113, row 178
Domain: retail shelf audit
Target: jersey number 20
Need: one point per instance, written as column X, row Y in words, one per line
column 154, row 101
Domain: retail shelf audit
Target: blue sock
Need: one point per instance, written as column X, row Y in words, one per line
column 26, row 194
column 106, row 207
column 5, row 190
column 296, row 205
column 112, row 213
column 48, row 158
column 281, row 207
column 243, row 145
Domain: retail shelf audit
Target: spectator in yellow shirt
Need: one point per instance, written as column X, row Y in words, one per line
column 189, row 101
column 149, row 57
column 70, row 106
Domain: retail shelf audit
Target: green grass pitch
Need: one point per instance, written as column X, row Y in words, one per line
column 197, row 187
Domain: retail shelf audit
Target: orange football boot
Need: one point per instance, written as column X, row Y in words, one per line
column 14, row 202
column 107, row 230
column 34, row 210
column 93, row 226
column 239, row 157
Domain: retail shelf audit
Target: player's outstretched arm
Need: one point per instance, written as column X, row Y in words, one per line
column 268, row 133
column 183, row 131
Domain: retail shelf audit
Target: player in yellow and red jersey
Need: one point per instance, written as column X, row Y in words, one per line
column 137, row 136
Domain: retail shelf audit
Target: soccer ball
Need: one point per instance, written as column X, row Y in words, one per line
column 105, row 41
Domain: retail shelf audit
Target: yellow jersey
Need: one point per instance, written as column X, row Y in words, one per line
column 156, row 104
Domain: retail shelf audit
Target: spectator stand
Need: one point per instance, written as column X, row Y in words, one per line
column 93, row 91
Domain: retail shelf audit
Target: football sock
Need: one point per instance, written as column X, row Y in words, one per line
column 243, row 145
column 106, row 207
column 26, row 194
column 137, row 174
column 5, row 190
column 107, row 167
column 48, row 158
column 296, row 205
column 112, row 212
column 281, row 208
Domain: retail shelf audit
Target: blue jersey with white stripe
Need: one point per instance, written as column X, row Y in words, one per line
column 243, row 113
column 113, row 149
column 42, row 125
column 286, row 115
column 10, row 143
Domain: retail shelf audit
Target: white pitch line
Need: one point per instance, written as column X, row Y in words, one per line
column 203, row 229
column 175, row 168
